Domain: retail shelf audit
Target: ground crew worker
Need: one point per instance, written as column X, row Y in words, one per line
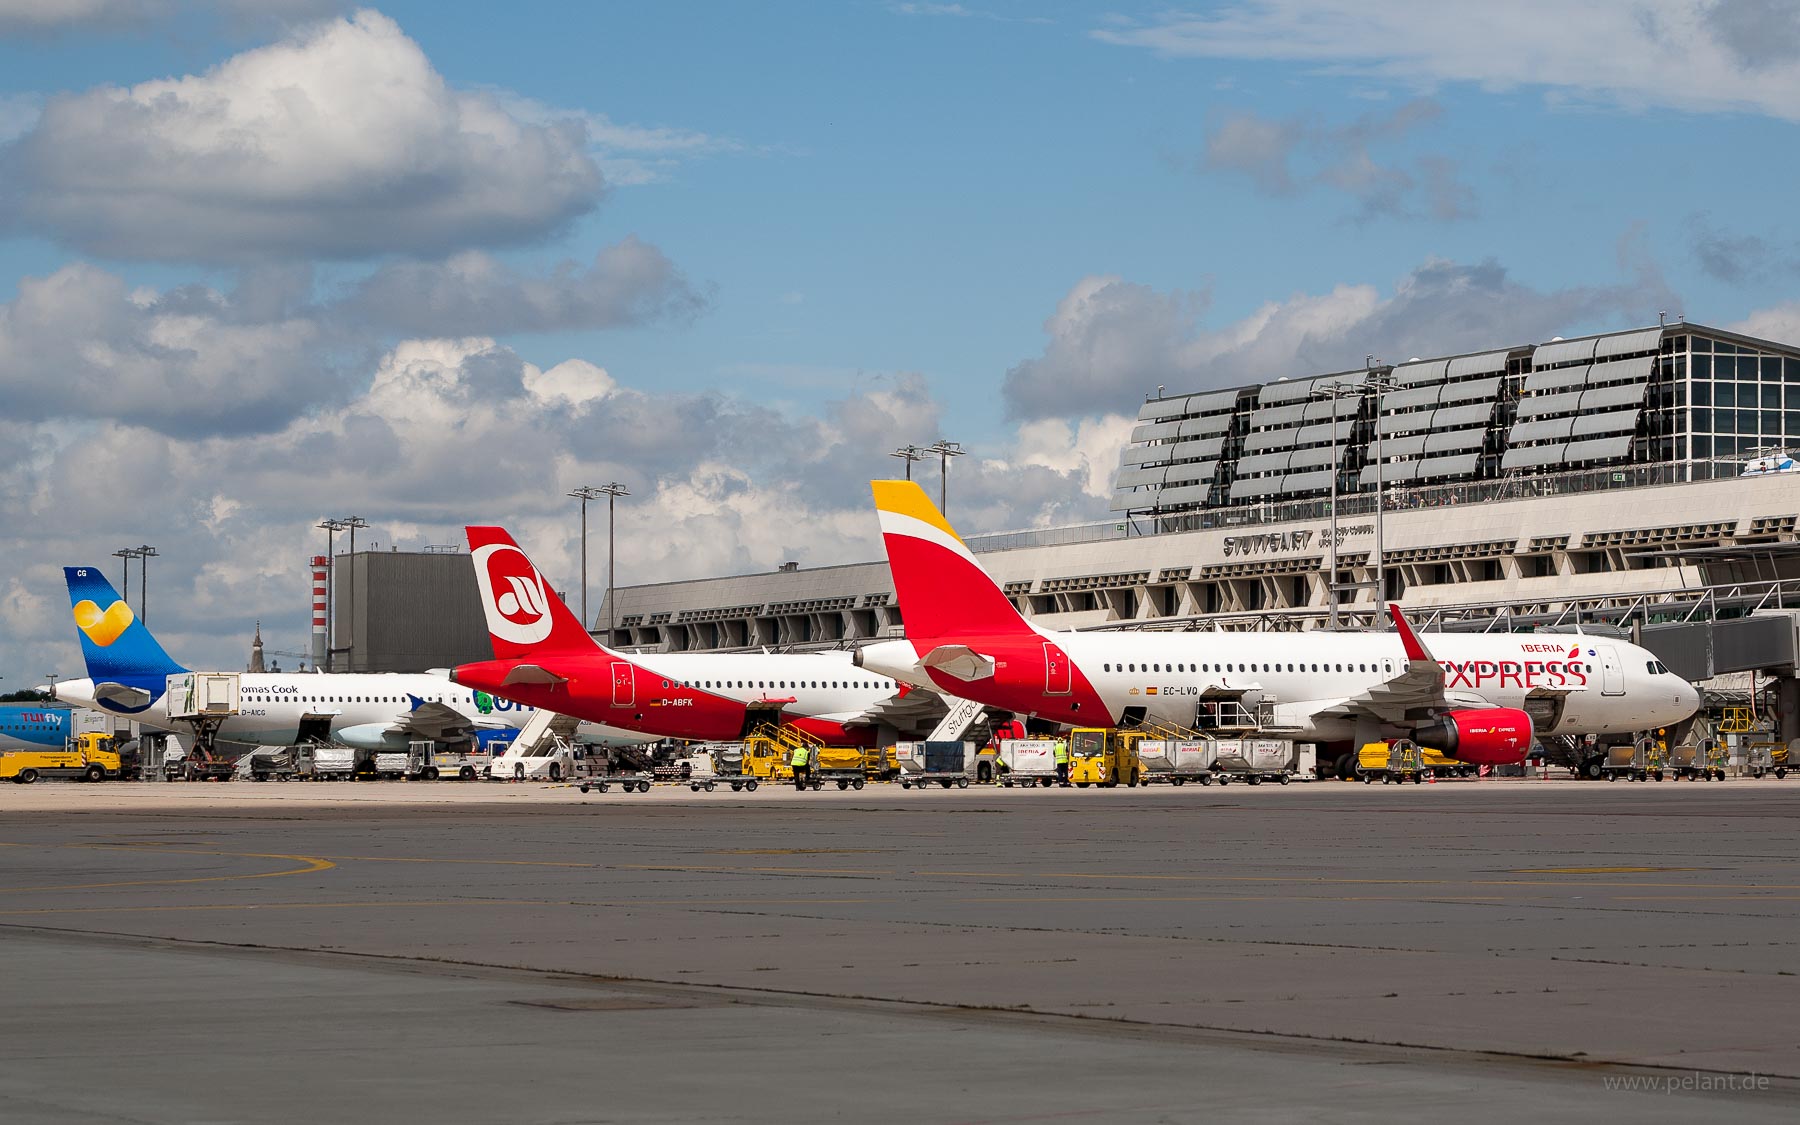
column 1061, row 748
column 801, row 763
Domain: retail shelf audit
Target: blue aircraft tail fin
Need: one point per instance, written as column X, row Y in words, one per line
column 117, row 646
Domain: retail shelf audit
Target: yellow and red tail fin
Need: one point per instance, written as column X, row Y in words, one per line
column 943, row 591
column 524, row 615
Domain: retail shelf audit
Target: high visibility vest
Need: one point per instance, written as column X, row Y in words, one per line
column 1062, row 752
column 801, row 754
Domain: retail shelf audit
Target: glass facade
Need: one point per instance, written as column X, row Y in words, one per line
column 1737, row 401
column 1680, row 395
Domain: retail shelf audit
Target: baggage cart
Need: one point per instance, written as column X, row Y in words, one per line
column 1759, row 760
column 1177, row 760
column 1642, row 760
column 629, row 782
column 1028, row 762
column 843, row 766
column 946, row 763
column 1254, row 760
column 725, row 763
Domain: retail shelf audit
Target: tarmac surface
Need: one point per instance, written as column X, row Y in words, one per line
column 458, row 952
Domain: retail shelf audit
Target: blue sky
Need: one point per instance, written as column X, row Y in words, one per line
column 831, row 228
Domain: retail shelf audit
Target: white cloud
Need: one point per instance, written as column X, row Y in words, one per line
column 339, row 141
column 1776, row 322
column 444, row 432
column 627, row 283
column 77, row 345
column 1732, row 55
column 1111, row 341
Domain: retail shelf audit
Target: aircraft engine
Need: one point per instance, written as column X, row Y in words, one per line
column 1493, row 736
column 371, row 736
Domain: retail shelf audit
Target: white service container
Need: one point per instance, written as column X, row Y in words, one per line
column 1028, row 756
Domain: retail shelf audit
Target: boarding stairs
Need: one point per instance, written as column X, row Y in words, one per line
column 543, row 727
column 963, row 716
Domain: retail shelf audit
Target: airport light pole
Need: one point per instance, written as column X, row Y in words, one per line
column 1333, row 392
column 144, row 554
column 612, row 491
column 331, row 528
column 945, row 450
column 909, row 454
column 125, row 555
column 585, row 493
column 1378, row 384
column 351, row 523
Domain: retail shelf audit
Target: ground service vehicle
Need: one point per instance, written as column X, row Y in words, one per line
column 316, row 761
column 552, row 759
column 428, row 761
column 1103, row 757
column 90, row 757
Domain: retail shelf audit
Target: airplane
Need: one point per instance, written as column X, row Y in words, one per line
column 1479, row 698
column 128, row 672
column 35, row 726
column 545, row 658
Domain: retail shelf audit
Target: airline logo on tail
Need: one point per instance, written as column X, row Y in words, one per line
column 129, row 669
column 102, row 627
column 943, row 591
column 513, row 593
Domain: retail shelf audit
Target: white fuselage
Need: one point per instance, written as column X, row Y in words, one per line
column 1606, row 686
column 824, row 685
column 364, row 710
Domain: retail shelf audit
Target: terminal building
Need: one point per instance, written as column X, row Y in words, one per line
column 404, row 611
column 1588, row 479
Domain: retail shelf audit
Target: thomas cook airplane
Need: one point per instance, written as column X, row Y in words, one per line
column 128, row 672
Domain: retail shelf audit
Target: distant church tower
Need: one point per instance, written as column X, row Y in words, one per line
column 256, row 651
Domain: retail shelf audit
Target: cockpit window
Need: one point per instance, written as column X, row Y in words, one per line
column 1658, row 668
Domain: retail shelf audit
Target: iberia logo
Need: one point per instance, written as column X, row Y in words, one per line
column 513, row 593
column 103, row 628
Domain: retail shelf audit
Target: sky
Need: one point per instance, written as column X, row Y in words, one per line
column 264, row 262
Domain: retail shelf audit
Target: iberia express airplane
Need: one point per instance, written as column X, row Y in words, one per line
column 1478, row 697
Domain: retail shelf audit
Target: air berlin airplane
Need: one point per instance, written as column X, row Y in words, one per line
column 546, row 659
column 1476, row 697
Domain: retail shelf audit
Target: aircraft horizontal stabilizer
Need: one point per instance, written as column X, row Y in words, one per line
column 960, row 661
column 532, row 674
column 122, row 695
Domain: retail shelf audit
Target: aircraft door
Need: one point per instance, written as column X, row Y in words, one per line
column 1612, row 675
column 1058, row 678
column 624, row 684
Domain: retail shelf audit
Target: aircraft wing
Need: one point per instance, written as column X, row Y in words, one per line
column 435, row 721
column 1416, row 691
column 910, row 708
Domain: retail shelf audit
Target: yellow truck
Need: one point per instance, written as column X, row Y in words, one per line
column 90, row 757
column 1103, row 757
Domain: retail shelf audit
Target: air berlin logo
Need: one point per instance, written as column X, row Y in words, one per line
column 513, row 593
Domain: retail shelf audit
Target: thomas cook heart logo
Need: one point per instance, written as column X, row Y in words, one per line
column 102, row 628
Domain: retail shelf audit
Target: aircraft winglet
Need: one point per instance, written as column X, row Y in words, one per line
column 1409, row 640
